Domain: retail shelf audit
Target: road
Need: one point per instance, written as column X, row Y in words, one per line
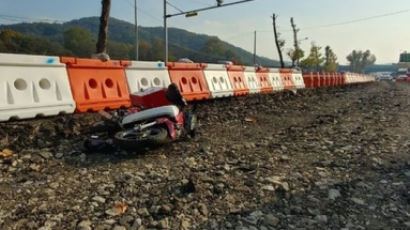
column 321, row 159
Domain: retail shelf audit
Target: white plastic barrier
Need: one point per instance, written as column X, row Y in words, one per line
column 218, row 81
column 350, row 78
column 276, row 80
column 142, row 75
column 251, row 80
column 297, row 79
column 347, row 78
column 33, row 86
column 353, row 78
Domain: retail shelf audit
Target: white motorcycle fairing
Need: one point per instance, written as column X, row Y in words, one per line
column 164, row 111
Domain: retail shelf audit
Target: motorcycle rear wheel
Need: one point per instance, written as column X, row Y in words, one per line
column 131, row 139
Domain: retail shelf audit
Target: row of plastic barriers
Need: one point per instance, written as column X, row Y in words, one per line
column 33, row 85
column 331, row 79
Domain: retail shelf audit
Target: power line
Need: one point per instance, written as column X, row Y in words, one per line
column 239, row 34
column 175, row 7
column 9, row 19
column 19, row 18
column 202, row 3
column 332, row 24
column 358, row 20
column 144, row 11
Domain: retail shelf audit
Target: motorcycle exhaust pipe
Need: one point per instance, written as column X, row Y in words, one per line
column 144, row 126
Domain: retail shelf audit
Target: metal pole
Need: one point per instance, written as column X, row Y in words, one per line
column 254, row 49
column 136, row 32
column 165, row 31
column 209, row 8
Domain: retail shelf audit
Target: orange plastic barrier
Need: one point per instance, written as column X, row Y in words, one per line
column 263, row 77
column 190, row 79
column 345, row 80
column 335, row 79
column 286, row 75
column 308, row 79
column 316, row 80
column 334, row 76
column 328, row 79
column 322, row 81
column 339, row 79
column 331, row 79
column 96, row 84
column 237, row 78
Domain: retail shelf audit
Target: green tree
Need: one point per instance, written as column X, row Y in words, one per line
column 79, row 41
column 15, row 42
column 295, row 55
column 144, row 50
column 119, row 50
column 2, row 46
column 214, row 47
column 314, row 60
column 359, row 60
column 158, row 50
column 330, row 64
column 232, row 56
column 11, row 40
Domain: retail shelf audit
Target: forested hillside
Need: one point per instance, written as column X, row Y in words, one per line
column 78, row 37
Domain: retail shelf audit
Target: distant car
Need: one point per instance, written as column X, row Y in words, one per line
column 385, row 78
column 401, row 78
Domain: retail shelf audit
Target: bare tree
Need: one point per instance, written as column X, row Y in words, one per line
column 103, row 32
column 279, row 43
column 295, row 33
column 296, row 53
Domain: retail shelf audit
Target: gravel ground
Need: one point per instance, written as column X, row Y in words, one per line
column 323, row 159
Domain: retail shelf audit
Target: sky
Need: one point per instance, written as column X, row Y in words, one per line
column 386, row 37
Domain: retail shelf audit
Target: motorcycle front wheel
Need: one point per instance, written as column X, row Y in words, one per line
column 132, row 139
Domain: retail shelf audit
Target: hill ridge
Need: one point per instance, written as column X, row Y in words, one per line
column 182, row 43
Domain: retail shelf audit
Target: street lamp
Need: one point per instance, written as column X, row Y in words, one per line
column 191, row 13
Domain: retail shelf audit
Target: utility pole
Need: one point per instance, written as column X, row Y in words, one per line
column 136, row 32
column 254, row 49
column 277, row 42
column 165, row 31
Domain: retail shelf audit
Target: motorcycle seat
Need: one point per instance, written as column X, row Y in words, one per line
column 149, row 114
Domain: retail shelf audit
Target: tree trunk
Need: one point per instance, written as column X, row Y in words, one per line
column 282, row 64
column 296, row 43
column 102, row 35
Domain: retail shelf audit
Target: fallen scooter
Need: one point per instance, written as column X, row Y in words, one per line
column 156, row 118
